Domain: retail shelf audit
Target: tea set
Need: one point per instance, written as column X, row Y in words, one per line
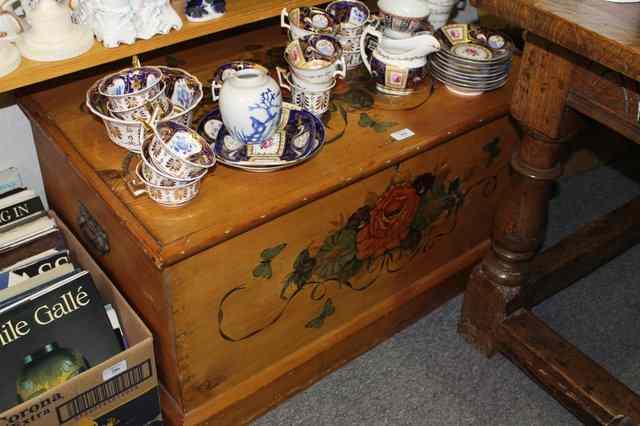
column 149, row 109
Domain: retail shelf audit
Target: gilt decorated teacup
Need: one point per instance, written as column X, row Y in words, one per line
column 184, row 91
column 131, row 87
column 168, row 196
column 179, row 151
column 401, row 19
column 305, row 21
column 312, row 98
column 145, row 112
column 317, row 59
column 155, row 176
column 350, row 15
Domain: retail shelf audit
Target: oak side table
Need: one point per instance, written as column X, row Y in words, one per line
column 582, row 57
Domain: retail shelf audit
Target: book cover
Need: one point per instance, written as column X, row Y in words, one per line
column 25, row 232
column 18, row 208
column 33, row 266
column 51, row 336
column 16, row 252
column 25, row 288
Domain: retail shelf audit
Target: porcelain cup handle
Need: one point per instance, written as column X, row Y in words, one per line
column 135, row 187
column 341, row 68
column 368, row 31
column 284, row 19
column 283, row 78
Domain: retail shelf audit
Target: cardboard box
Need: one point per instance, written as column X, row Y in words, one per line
column 118, row 391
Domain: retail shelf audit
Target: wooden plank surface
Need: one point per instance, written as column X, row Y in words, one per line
column 591, row 246
column 239, row 12
column 576, row 381
column 608, row 33
column 229, row 203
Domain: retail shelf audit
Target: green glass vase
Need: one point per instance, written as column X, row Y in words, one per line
column 46, row 368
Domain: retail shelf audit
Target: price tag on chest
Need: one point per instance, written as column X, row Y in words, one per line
column 403, row 134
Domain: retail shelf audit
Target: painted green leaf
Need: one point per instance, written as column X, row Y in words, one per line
column 270, row 253
column 286, row 283
column 365, row 120
column 350, row 269
column 302, row 268
column 335, row 253
column 419, row 222
column 327, row 310
column 493, row 149
column 359, row 99
column 381, row 127
column 263, row 270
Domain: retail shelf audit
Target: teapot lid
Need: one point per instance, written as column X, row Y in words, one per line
column 405, row 8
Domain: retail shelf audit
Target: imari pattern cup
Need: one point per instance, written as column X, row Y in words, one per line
column 312, row 98
column 351, row 17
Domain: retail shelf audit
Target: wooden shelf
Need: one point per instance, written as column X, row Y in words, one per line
column 239, row 12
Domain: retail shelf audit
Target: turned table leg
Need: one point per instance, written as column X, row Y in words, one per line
column 539, row 105
column 494, row 313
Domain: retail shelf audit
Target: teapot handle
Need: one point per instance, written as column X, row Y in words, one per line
column 215, row 87
column 363, row 52
column 283, row 78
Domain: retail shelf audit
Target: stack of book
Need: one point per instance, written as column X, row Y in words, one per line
column 53, row 322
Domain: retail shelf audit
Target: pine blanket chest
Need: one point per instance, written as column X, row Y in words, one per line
column 267, row 282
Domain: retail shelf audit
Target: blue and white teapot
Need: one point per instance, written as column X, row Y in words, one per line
column 250, row 104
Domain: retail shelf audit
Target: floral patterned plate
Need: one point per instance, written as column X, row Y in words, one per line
column 474, row 44
column 301, row 136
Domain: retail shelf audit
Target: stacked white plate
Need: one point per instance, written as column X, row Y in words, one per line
column 472, row 60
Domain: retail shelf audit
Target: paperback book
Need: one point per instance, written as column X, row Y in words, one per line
column 50, row 335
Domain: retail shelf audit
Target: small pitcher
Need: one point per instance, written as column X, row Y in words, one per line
column 398, row 65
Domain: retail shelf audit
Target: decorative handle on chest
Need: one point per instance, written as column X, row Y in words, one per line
column 93, row 232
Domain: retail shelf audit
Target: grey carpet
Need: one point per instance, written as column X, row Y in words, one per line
column 427, row 374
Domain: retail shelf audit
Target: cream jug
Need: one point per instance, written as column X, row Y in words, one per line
column 398, row 65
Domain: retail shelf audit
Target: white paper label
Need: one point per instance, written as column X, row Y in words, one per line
column 114, row 370
column 403, row 134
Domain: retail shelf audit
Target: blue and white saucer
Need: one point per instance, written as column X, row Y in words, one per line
column 300, row 137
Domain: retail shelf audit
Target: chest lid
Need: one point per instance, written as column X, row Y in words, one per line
column 359, row 143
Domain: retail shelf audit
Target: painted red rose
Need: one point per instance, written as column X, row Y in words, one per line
column 389, row 221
